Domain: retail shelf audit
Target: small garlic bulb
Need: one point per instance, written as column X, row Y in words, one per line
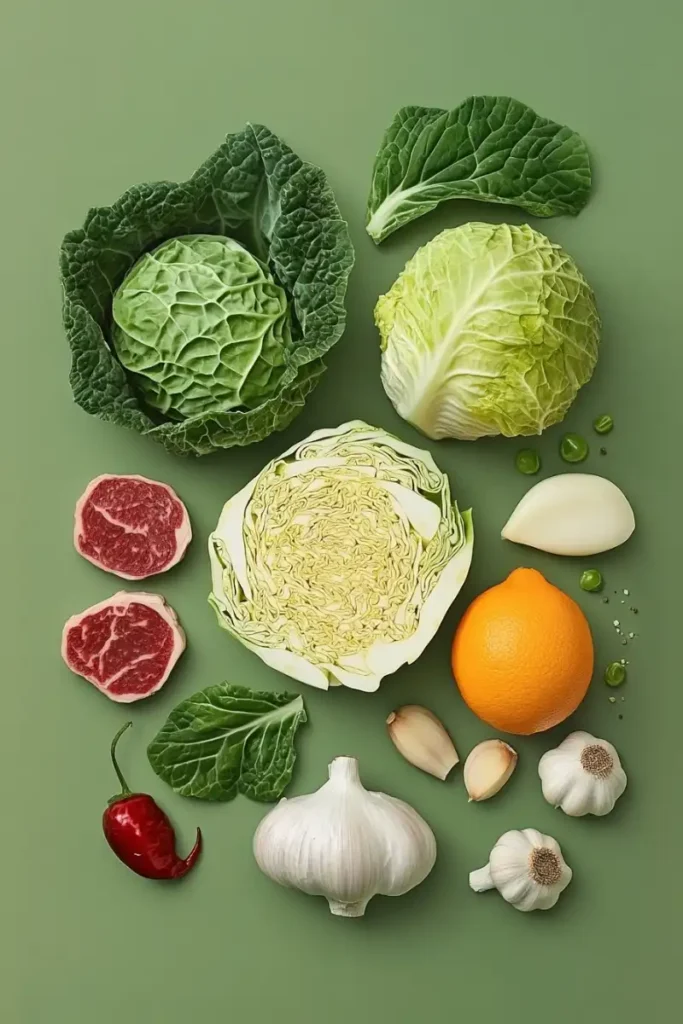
column 345, row 843
column 582, row 776
column 527, row 869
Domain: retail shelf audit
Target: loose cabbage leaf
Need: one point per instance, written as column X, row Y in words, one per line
column 490, row 148
column 255, row 189
column 228, row 739
column 490, row 329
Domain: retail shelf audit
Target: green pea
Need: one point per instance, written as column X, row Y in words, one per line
column 528, row 461
column 603, row 424
column 591, row 580
column 573, row 448
column 615, row 674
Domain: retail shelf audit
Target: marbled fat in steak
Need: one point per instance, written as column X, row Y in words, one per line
column 126, row 646
column 131, row 526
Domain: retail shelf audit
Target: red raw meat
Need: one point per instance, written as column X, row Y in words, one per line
column 131, row 526
column 126, row 646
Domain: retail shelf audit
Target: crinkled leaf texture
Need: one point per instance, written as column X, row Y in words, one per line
column 337, row 564
column 489, row 329
column 201, row 326
column 228, row 739
column 253, row 188
column 491, row 148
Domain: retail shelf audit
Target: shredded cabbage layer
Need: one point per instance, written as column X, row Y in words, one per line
column 342, row 541
column 337, row 565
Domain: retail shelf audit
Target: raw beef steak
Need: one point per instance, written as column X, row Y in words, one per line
column 126, row 646
column 131, row 526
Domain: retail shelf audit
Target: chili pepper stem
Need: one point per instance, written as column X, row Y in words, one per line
column 125, row 789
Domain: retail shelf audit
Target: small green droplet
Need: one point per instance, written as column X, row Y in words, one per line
column 528, row 461
column 591, row 580
column 603, row 424
column 573, row 448
column 615, row 674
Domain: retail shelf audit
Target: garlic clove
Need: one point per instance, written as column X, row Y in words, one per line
column 572, row 514
column 421, row 738
column 575, row 797
column 604, row 797
column 487, row 768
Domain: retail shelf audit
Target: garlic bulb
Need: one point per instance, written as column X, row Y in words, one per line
column 345, row 843
column 487, row 768
column 572, row 514
column 582, row 776
column 527, row 869
column 419, row 735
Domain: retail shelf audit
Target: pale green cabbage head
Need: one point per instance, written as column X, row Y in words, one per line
column 490, row 329
column 201, row 326
column 338, row 562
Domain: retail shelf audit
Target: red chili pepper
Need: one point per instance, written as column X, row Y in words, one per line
column 140, row 833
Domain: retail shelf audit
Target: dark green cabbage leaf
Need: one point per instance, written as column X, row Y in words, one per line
column 256, row 190
column 228, row 739
column 490, row 148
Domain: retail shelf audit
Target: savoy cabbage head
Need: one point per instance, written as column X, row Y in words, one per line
column 199, row 312
column 202, row 326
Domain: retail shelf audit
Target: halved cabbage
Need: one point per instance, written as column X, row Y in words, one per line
column 338, row 562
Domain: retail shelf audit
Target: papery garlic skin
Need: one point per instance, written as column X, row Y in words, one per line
column 345, row 843
column 572, row 514
column 422, row 739
column 582, row 776
column 527, row 868
column 487, row 769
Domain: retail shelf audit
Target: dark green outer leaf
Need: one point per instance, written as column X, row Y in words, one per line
column 255, row 188
column 228, row 739
column 490, row 148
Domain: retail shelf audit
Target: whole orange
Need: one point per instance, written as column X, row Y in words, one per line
column 523, row 654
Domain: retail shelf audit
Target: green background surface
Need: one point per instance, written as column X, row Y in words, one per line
column 97, row 97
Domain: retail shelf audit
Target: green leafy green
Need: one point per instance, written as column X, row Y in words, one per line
column 257, row 191
column 490, row 329
column 491, row 148
column 228, row 739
